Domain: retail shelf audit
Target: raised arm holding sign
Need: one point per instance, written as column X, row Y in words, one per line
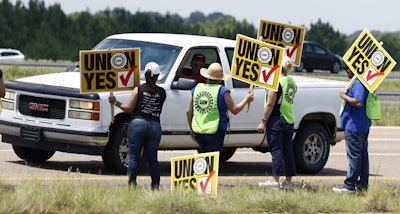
column 251, row 87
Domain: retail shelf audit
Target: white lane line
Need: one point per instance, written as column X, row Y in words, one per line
column 370, row 154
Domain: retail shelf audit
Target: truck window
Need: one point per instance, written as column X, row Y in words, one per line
column 164, row 55
column 235, row 83
column 210, row 54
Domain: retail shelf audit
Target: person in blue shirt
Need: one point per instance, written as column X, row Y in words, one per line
column 356, row 124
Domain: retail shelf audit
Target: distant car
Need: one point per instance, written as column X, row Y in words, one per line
column 315, row 56
column 8, row 54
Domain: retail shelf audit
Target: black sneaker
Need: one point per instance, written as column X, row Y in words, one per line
column 361, row 187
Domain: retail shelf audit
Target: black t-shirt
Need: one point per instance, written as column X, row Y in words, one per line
column 149, row 104
column 276, row 110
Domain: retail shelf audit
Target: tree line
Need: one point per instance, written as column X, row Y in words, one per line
column 42, row 32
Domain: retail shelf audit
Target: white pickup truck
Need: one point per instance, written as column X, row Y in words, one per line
column 47, row 113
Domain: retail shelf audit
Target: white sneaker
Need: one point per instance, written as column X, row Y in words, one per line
column 273, row 184
column 343, row 190
column 287, row 185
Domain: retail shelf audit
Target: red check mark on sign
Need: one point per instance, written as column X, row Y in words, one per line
column 289, row 52
column 204, row 185
column 370, row 75
column 125, row 80
column 267, row 76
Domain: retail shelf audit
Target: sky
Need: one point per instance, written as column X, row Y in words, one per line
column 346, row 16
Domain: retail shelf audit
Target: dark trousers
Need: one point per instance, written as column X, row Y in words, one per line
column 279, row 136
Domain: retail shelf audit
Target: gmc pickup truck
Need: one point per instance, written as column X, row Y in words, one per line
column 47, row 113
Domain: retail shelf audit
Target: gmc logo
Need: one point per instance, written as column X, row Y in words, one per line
column 38, row 107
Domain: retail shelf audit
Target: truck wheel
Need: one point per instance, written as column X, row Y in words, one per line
column 32, row 155
column 115, row 155
column 311, row 148
column 226, row 154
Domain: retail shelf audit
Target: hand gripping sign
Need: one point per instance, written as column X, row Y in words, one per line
column 290, row 37
column 109, row 70
column 368, row 60
column 257, row 62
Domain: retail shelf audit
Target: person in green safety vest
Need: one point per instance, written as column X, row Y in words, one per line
column 207, row 111
column 2, row 88
column 277, row 122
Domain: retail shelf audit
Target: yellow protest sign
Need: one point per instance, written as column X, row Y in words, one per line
column 109, row 70
column 368, row 60
column 290, row 37
column 257, row 62
column 196, row 172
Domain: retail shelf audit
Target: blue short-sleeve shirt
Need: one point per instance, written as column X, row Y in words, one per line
column 355, row 119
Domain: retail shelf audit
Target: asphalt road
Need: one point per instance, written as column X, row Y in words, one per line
column 245, row 166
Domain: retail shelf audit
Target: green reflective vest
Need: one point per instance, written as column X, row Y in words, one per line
column 372, row 107
column 205, row 108
column 289, row 89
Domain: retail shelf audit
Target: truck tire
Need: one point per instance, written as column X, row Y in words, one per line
column 226, row 154
column 311, row 148
column 32, row 155
column 115, row 155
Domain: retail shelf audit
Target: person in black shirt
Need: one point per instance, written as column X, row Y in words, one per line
column 2, row 88
column 144, row 130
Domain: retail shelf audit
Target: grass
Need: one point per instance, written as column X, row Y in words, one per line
column 80, row 197
column 390, row 113
column 15, row 72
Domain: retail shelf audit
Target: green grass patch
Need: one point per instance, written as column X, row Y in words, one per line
column 80, row 197
column 16, row 72
column 390, row 114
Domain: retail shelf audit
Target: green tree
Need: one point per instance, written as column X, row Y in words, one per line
column 50, row 40
column 324, row 34
column 391, row 43
column 227, row 27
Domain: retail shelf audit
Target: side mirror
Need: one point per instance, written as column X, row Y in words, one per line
column 184, row 84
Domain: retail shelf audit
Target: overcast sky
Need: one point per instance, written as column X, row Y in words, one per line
column 346, row 16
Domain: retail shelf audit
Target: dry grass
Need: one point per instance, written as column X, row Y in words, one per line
column 79, row 197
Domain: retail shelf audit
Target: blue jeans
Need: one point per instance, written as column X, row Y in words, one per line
column 143, row 138
column 279, row 136
column 357, row 155
column 211, row 142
